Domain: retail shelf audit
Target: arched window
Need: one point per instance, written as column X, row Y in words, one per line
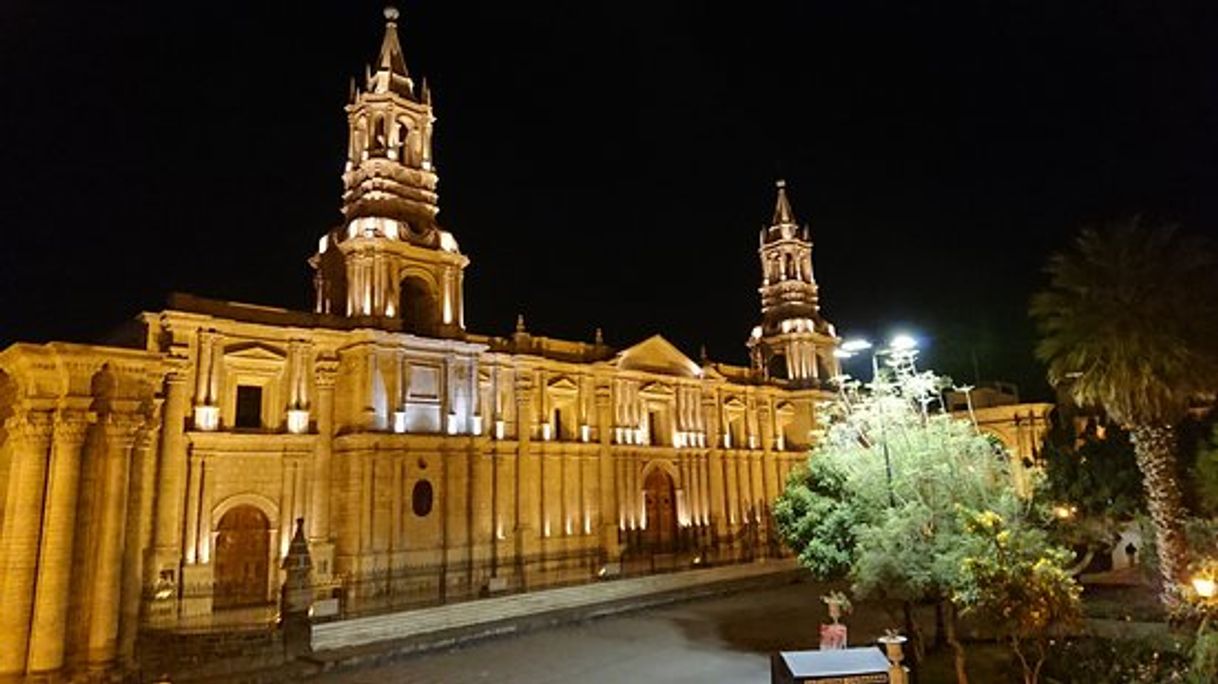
column 378, row 134
column 359, row 140
column 789, row 273
column 403, row 141
column 421, row 498
column 777, row 367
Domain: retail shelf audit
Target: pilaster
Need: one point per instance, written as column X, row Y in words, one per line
column 320, row 538
column 171, row 480
column 528, row 485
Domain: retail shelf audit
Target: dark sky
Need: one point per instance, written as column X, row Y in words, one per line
column 607, row 164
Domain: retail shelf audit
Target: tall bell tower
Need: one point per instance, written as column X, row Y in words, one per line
column 794, row 343
column 390, row 260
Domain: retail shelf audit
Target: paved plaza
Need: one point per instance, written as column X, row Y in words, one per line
column 720, row 639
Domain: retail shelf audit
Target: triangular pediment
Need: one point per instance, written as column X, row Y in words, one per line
column 656, row 388
column 735, row 403
column 563, row 384
column 254, row 351
column 657, row 355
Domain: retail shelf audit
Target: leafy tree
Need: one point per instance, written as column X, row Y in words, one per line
column 896, row 532
column 1016, row 580
column 1205, row 474
column 1128, row 325
column 1097, row 473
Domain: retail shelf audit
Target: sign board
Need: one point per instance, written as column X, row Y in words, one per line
column 840, row 666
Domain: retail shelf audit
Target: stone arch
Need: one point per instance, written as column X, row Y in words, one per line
column 419, row 302
column 665, row 465
column 268, row 507
column 401, row 137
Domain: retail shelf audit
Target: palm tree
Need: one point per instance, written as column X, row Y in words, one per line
column 1129, row 325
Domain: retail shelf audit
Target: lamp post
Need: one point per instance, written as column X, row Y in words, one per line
column 899, row 343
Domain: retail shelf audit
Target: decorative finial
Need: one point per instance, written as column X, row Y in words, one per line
column 780, row 183
column 600, row 337
column 703, row 354
column 519, row 323
column 391, row 13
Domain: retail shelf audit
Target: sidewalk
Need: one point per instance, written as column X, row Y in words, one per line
column 380, row 638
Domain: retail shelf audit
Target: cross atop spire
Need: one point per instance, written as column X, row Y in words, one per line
column 783, row 215
column 391, row 74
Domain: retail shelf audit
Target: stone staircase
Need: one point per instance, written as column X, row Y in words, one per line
column 373, row 638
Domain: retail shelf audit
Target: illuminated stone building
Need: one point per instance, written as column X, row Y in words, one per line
column 158, row 485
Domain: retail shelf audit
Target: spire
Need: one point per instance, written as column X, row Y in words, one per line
column 782, row 210
column 391, row 74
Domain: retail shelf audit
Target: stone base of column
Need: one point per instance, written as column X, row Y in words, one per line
column 322, row 553
column 297, row 633
column 196, row 590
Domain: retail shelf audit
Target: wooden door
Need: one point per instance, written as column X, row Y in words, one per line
column 660, row 500
column 242, row 558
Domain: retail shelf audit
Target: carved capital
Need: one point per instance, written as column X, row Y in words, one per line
column 71, row 426
column 177, row 370
column 325, row 372
column 31, row 426
column 122, row 428
column 523, row 392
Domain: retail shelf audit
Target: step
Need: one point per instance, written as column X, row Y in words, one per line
column 364, row 631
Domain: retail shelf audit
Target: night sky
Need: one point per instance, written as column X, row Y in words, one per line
column 607, row 164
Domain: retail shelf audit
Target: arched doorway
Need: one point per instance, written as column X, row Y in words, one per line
column 660, row 502
column 243, row 547
column 417, row 305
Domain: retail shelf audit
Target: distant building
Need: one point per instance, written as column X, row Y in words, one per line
column 1020, row 426
column 159, row 484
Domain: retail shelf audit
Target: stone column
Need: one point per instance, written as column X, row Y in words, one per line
column 48, row 632
column 171, row 476
column 119, row 431
column 608, row 483
column 30, row 438
column 138, row 528
column 528, row 485
column 319, row 514
column 715, row 481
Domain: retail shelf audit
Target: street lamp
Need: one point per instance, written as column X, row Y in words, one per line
column 1205, row 587
column 899, row 343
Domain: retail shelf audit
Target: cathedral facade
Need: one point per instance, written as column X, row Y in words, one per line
column 158, row 485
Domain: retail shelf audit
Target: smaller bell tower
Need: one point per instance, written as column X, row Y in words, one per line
column 793, row 343
column 390, row 260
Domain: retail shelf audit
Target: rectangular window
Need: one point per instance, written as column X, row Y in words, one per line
column 249, row 406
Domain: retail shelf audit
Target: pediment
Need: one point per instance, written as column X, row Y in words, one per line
column 254, row 351
column 657, row 388
column 784, row 407
column 657, row 355
column 563, row 384
column 735, row 403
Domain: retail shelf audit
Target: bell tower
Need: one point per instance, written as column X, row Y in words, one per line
column 794, row 343
column 390, row 260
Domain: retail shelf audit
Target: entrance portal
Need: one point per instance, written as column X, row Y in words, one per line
column 243, row 547
column 660, row 501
